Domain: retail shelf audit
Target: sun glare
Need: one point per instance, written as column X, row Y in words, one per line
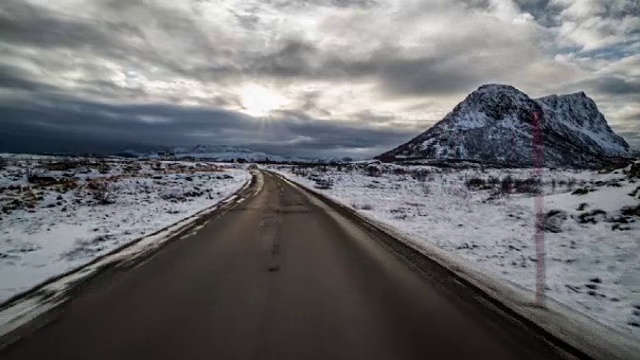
column 258, row 100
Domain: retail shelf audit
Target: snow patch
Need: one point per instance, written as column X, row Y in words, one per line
column 88, row 207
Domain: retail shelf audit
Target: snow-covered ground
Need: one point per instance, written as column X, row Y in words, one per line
column 58, row 214
column 592, row 230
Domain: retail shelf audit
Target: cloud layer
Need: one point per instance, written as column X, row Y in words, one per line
column 352, row 77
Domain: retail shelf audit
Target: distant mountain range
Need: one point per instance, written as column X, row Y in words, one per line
column 207, row 152
column 494, row 124
column 224, row 153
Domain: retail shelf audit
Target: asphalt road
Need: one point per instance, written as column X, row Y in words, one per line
column 281, row 276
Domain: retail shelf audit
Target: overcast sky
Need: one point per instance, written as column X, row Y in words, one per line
column 297, row 77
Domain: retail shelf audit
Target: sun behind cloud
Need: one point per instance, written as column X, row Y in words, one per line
column 259, row 101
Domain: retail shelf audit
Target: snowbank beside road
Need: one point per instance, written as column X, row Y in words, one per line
column 60, row 214
column 593, row 235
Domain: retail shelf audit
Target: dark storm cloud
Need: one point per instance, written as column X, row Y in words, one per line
column 318, row 135
column 61, row 114
column 610, row 85
column 22, row 23
column 425, row 76
column 617, row 86
column 15, row 78
column 58, row 118
column 396, row 75
column 292, row 59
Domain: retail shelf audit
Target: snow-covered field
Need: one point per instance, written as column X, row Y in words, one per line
column 592, row 227
column 57, row 214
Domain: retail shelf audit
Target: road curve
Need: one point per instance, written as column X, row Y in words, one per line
column 281, row 276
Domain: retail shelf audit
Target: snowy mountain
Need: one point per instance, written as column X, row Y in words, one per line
column 223, row 153
column 494, row 124
column 214, row 153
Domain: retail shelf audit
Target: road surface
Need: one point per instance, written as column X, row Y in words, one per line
column 281, row 276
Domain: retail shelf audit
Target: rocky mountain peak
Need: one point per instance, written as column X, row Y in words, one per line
column 494, row 124
column 500, row 101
